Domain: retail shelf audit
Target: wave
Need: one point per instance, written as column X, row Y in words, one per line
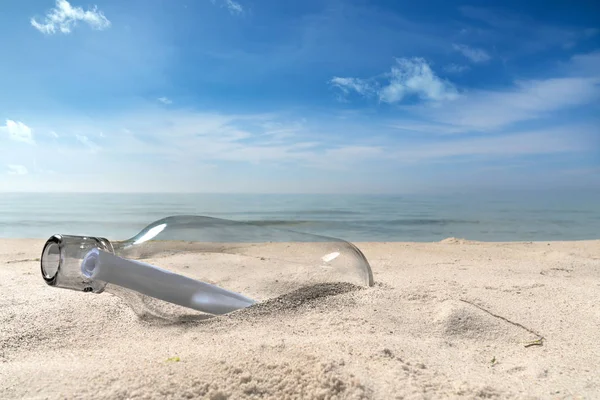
column 427, row 221
column 291, row 212
column 275, row 222
column 392, row 222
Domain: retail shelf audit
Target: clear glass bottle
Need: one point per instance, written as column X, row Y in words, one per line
column 240, row 262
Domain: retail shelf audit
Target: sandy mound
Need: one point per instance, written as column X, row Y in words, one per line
column 459, row 319
column 453, row 240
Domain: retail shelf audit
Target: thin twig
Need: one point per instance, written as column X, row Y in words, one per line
column 22, row 260
column 538, row 342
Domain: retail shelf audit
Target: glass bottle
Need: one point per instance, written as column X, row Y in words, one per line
column 186, row 267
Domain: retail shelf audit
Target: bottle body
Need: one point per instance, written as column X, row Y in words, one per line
column 254, row 261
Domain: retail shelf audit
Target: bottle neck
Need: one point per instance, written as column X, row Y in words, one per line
column 61, row 262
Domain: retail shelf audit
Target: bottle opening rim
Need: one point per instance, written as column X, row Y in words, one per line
column 51, row 259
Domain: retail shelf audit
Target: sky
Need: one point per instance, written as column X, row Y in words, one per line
column 313, row 96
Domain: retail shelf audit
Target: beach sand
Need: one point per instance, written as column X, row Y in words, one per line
column 455, row 319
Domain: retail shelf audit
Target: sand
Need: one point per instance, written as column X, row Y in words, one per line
column 456, row 319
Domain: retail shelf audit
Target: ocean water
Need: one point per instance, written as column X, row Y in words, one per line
column 514, row 217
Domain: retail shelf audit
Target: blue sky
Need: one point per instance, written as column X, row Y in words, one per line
column 312, row 96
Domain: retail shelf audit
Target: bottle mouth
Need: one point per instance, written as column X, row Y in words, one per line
column 61, row 261
column 51, row 259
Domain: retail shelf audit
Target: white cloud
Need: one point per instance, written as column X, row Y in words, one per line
column 278, row 131
column 165, row 100
column 182, row 137
column 408, row 77
column 18, row 131
column 456, row 68
column 473, row 54
column 14, row 169
column 64, row 18
column 176, row 148
column 87, row 142
column 584, row 65
column 551, row 141
column 175, row 137
column 415, row 77
column 425, row 127
column 347, row 85
column 528, row 100
column 54, row 134
column 520, row 34
column 234, row 7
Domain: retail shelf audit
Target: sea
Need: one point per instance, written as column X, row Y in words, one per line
column 356, row 218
